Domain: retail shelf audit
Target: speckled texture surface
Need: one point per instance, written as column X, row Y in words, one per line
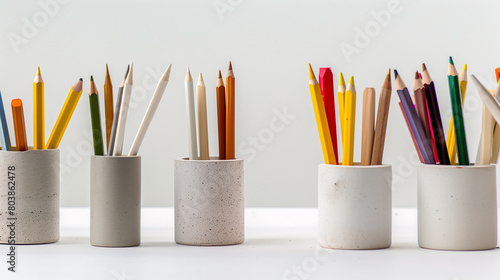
column 37, row 196
column 115, row 201
column 354, row 206
column 209, row 202
column 457, row 207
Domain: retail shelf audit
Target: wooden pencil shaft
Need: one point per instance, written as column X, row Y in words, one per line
column 201, row 103
column 108, row 106
column 458, row 122
column 411, row 133
column 349, row 124
column 19, row 126
column 122, row 116
column 367, row 125
column 112, row 137
column 191, row 117
column 486, row 138
column 95, row 117
column 381, row 124
column 230, row 116
column 38, row 112
column 326, row 85
column 437, row 125
column 221, row 118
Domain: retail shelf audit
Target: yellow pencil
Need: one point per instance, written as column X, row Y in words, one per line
column 322, row 122
column 38, row 112
column 341, row 95
column 349, row 120
column 451, row 143
column 65, row 115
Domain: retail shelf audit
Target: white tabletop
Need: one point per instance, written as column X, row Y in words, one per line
column 280, row 244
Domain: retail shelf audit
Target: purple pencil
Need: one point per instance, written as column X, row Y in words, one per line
column 415, row 125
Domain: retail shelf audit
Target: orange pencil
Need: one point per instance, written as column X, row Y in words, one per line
column 221, row 116
column 19, row 127
column 230, row 113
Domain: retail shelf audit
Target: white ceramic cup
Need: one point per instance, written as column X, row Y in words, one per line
column 115, row 201
column 457, row 207
column 209, row 202
column 354, row 206
column 29, row 196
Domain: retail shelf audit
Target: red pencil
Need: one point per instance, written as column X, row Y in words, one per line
column 326, row 85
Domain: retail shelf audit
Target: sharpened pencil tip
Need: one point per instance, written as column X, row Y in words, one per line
column 200, row 77
column 396, row 74
column 126, row 73
column 38, row 71
column 389, row 72
column 465, row 67
column 220, row 75
column 311, row 73
column 91, row 78
column 417, row 75
column 351, row 80
column 341, row 80
column 188, row 75
column 230, row 66
column 423, row 67
column 107, row 71
column 81, row 79
column 451, row 61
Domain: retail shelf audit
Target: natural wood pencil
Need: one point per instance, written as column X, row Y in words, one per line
column 122, row 116
column 201, row 104
column 220, row 93
column 230, row 114
column 381, row 124
column 191, row 118
column 119, row 97
column 367, row 125
column 108, row 105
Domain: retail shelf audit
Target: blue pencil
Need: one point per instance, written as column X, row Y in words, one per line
column 4, row 129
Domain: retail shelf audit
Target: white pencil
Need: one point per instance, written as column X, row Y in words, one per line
column 193, row 150
column 153, row 105
column 122, row 119
column 201, row 104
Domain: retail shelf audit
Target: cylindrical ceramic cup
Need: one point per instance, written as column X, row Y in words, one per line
column 457, row 207
column 209, row 202
column 354, row 206
column 115, row 201
column 29, row 196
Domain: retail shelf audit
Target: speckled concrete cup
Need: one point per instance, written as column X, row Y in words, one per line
column 209, row 202
column 115, row 201
column 354, row 206
column 457, row 207
column 29, row 196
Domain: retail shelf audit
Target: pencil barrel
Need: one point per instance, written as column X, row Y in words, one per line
column 29, row 196
column 457, row 207
column 209, row 202
column 115, row 201
column 354, row 206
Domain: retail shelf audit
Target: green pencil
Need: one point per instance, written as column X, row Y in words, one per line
column 96, row 119
column 458, row 120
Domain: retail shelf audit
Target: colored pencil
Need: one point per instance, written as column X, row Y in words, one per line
column 416, row 127
column 19, row 127
column 65, row 115
column 122, row 116
column 451, row 140
column 326, row 85
column 349, row 123
column 230, row 122
column 38, row 112
column 486, row 142
column 4, row 129
column 341, row 96
column 458, row 121
column 497, row 73
column 381, row 124
column 221, row 116
column 421, row 105
column 491, row 102
column 108, row 105
column 437, row 125
column 188, row 87
column 201, row 104
column 119, row 96
column 321, row 120
column 95, row 117
column 148, row 117
column 411, row 133
column 496, row 131
column 368, row 125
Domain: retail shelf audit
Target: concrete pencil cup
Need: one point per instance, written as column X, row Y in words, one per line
column 457, row 207
column 209, row 202
column 354, row 206
column 115, row 201
column 29, row 196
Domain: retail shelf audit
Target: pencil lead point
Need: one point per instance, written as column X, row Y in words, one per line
column 351, row 80
column 465, row 67
column 341, row 80
column 126, row 72
column 417, row 75
column 451, row 61
column 107, row 71
column 220, row 75
column 423, row 67
column 200, row 77
column 389, row 72
column 396, row 74
column 91, row 78
column 311, row 73
column 81, row 79
column 230, row 66
column 38, row 71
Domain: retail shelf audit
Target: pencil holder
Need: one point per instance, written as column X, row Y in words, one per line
column 354, row 206
column 457, row 207
column 115, row 201
column 29, row 197
column 209, row 202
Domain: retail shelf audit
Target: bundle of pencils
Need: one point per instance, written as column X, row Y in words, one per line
column 425, row 126
column 225, row 96
column 38, row 118
column 116, row 119
column 373, row 134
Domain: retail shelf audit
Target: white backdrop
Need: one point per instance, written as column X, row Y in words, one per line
column 269, row 44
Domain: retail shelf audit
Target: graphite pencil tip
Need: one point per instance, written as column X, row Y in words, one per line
column 311, row 73
column 451, row 61
column 396, row 74
column 107, row 71
column 81, row 79
column 126, row 73
column 91, row 78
